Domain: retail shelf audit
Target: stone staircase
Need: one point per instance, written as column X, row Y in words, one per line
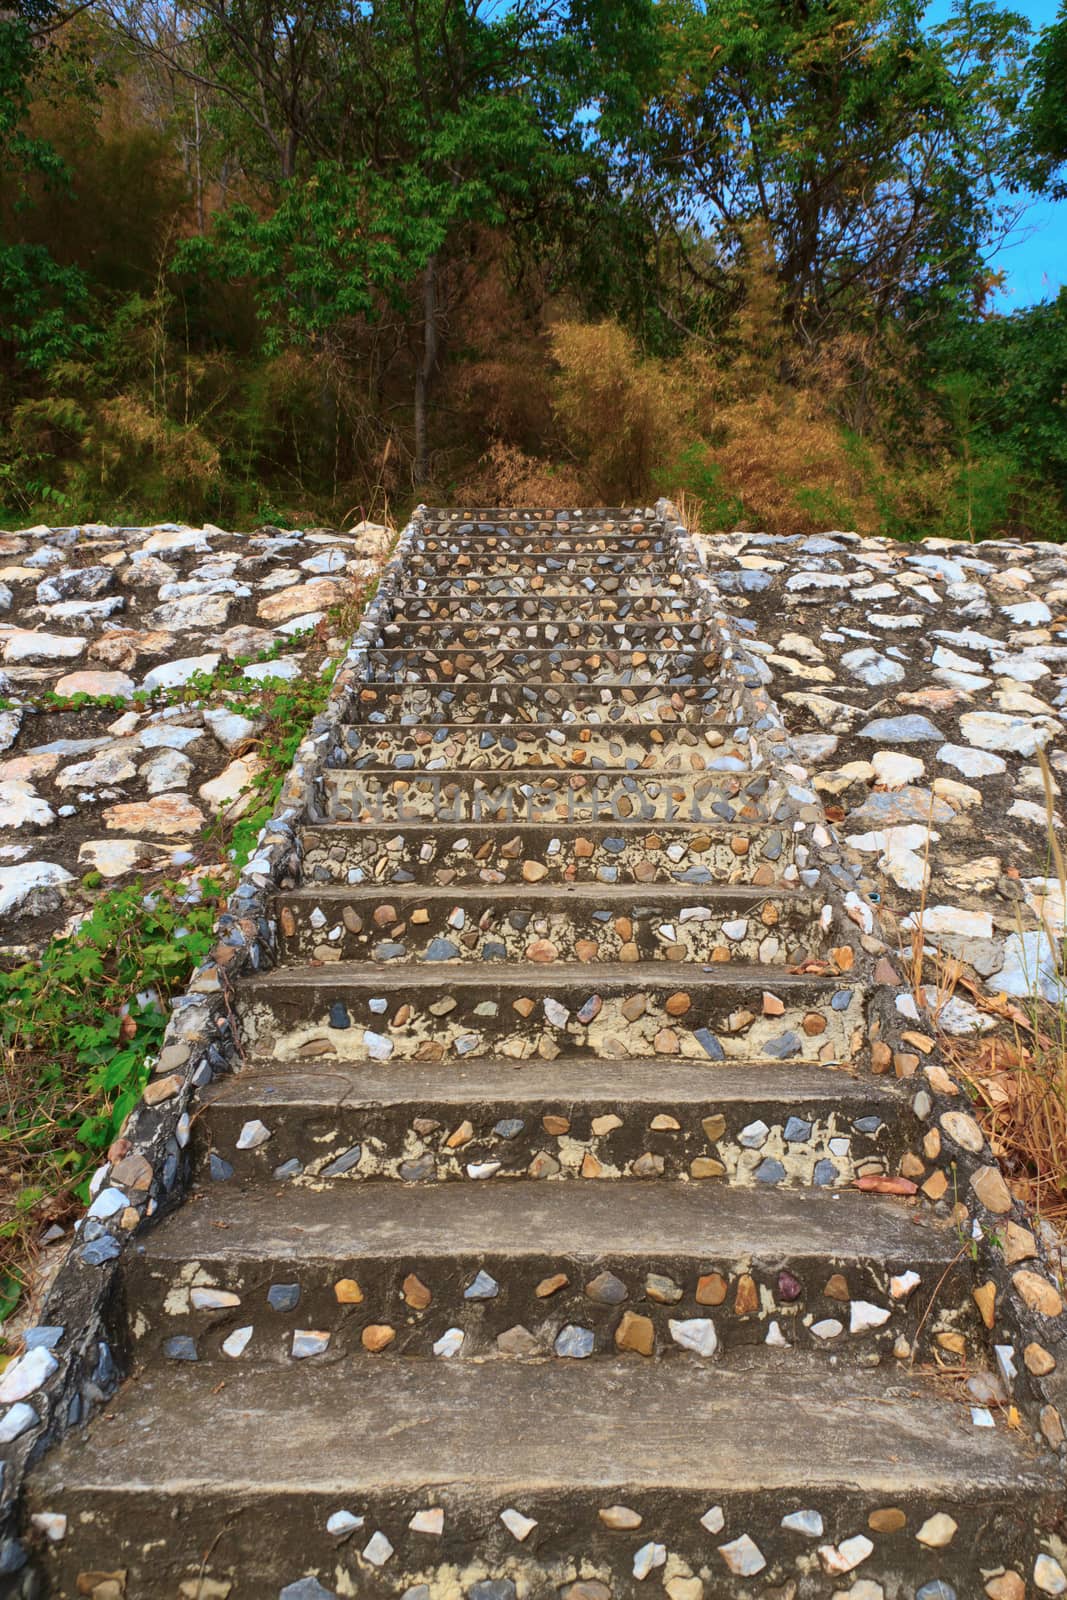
column 525, row 1256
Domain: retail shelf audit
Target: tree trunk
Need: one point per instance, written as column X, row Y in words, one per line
column 425, row 370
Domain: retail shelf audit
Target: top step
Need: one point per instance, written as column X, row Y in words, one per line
column 545, row 543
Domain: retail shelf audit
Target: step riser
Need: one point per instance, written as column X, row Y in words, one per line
column 544, row 606
column 501, row 665
column 558, row 568
column 460, row 857
column 686, row 747
column 823, row 1150
column 548, row 588
column 544, row 635
column 360, row 795
column 553, row 545
column 486, row 1019
column 468, row 930
column 478, row 703
column 167, row 1308
column 277, row 1538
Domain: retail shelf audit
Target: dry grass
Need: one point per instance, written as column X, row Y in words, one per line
column 1018, row 1077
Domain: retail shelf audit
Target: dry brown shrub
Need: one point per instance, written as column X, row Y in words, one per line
column 505, row 476
column 621, row 416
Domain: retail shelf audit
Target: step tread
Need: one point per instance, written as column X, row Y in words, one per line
column 556, row 975
column 455, row 1425
column 587, row 1222
column 562, row 1082
column 623, row 897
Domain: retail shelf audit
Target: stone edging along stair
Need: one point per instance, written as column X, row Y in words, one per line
column 399, row 1340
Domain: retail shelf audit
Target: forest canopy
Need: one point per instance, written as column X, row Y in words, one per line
column 301, row 263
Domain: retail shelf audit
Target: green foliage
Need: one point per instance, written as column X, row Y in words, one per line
column 1043, row 134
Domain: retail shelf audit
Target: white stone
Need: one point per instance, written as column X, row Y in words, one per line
column 233, row 791
column 518, row 1526
column 168, row 736
column 340, row 1523
column 828, row 1328
column 286, row 668
column 378, row 1047
column 25, row 1375
column 1030, row 968
column 847, row 1555
column 972, row 763
column 214, row 1300
column 32, row 888
column 893, row 769
column 696, row 1334
column 647, row 1558
column 904, row 1285
column 175, row 674
column 431, row 1521
column 809, row 1523
column 937, row 1531
column 862, row 1316
column 229, row 728
column 872, row 668
column 713, row 1519
column 743, row 1556
column 15, row 1422
column 96, row 683
column 377, row 1549
column 53, row 1524
column 23, row 646
column 951, row 919
column 1049, row 1575
column 22, row 807
column 449, row 1344
column 237, row 1342
column 167, row 771
column 252, row 1135
column 991, row 730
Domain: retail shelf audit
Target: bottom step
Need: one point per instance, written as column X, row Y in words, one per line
column 187, row 1478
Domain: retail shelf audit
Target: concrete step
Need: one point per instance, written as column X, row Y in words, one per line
column 513, row 561
column 424, row 1013
column 545, row 634
column 407, row 746
column 556, row 1256
column 495, row 664
column 539, row 794
column 184, row 1481
column 530, row 701
column 491, row 1119
column 547, row 924
column 543, row 542
column 548, row 605
column 692, row 853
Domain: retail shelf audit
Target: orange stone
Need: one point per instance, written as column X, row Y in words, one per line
column 548, row 1286
column 556, row 1125
column 677, row 1004
column 711, row 1289
column 377, row 1336
column 746, row 1301
column 348, row 1292
column 985, row 1298
column 417, row 1295
column 814, row 1023
column 591, row 1167
column 935, row 1186
column 837, row 1288
column 636, row 1333
column 890, row 1519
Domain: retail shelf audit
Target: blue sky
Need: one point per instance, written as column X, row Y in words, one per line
column 1035, row 259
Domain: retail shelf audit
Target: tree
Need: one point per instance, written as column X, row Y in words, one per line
column 866, row 147
column 1043, row 144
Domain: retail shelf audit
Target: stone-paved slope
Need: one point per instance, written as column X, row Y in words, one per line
column 552, row 1239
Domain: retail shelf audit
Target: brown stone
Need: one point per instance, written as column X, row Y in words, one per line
column 740, row 845
column 523, row 1006
column 586, row 949
column 936, row 1186
column 377, row 1336
column 1038, row 1360
column 591, row 1167
column 932, row 1144
column 587, row 1589
column 905, row 1065
column 1007, row 1586
column 162, row 1089
column 814, row 1024
column 746, row 1300
column 621, row 1519
column 985, row 1298
column 348, row 1292
column 87, row 1582
column 881, row 1056
column 636, row 1333
column 910, row 1165
column 416, row 1294
column 287, row 921
column 714, row 1128
column 634, row 1006
column 954, row 1343
column 556, row 1125
column 940, row 1082
column 460, row 1136
column 677, row 1004
column 1019, row 1243
column 666, row 1042
column 706, row 1167
column 1052, row 1427
column 542, row 950
column 1038, row 1293
column 837, row 1288
column 534, row 871
column 549, row 1286
column 991, row 1190
column 711, row 1289
column 132, row 1172
column 889, row 1519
